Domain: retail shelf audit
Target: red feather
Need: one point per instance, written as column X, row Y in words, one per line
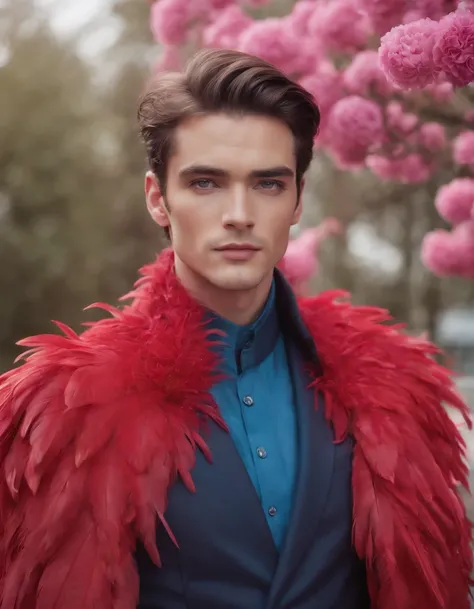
column 409, row 521
column 94, row 428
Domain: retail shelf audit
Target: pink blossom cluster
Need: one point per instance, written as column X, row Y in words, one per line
column 432, row 136
column 399, row 121
column 383, row 14
column 414, row 54
column 355, row 127
column 300, row 262
column 273, row 41
column 364, row 75
column 463, row 149
column 169, row 21
column 455, row 201
column 410, row 169
column 339, row 25
column 225, row 30
column 450, row 253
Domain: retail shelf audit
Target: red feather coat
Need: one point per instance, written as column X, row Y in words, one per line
column 94, row 428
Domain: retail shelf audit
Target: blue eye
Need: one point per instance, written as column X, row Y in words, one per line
column 203, row 184
column 272, row 185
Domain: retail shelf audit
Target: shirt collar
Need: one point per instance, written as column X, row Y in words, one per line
column 246, row 346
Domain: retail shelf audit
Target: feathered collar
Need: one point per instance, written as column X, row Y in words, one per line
column 95, row 427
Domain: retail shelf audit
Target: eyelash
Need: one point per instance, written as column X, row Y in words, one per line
column 280, row 186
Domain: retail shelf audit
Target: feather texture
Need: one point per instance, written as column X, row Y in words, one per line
column 386, row 390
column 95, row 427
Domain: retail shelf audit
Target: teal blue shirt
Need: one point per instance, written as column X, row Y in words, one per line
column 256, row 401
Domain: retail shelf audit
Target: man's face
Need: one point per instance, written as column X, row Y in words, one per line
column 231, row 198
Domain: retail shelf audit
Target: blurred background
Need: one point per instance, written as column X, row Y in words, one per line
column 73, row 223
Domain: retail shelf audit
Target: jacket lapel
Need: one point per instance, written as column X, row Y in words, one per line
column 316, row 457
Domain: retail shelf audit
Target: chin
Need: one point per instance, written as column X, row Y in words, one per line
column 237, row 279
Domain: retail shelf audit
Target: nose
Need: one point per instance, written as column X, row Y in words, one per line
column 238, row 214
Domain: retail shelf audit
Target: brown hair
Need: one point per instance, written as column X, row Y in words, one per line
column 224, row 81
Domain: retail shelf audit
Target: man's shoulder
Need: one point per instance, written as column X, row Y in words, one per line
column 375, row 365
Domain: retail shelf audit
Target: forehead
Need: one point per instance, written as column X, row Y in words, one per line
column 237, row 144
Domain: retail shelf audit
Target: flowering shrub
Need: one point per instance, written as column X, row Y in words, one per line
column 371, row 99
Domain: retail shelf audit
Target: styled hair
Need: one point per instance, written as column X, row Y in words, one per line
column 227, row 81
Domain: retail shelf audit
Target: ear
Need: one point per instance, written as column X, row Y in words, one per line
column 155, row 201
column 299, row 206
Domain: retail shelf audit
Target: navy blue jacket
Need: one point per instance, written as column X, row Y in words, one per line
column 227, row 558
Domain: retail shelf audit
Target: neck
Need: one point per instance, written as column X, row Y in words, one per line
column 238, row 306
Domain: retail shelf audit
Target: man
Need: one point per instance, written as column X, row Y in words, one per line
column 215, row 444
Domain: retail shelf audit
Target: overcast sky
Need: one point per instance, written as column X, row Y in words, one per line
column 68, row 16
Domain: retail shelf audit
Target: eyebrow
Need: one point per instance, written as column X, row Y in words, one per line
column 279, row 171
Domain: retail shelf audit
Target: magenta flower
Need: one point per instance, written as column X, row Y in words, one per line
column 433, row 136
column 406, row 54
column 300, row 262
column 339, row 25
column 450, row 253
column 383, row 14
column 169, row 21
column 463, row 148
column 300, row 16
column 455, row 201
column 226, row 28
column 355, row 127
column 272, row 40
column 453, row 52
column 364, row 75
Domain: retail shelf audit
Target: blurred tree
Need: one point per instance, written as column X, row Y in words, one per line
column 136, row 239
column 51, row 180
column 73, row 223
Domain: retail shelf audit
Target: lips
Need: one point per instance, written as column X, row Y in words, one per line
column 242, row 247
column 238, row 252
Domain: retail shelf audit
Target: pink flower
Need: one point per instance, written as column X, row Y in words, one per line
column 300, row 262
column 355, row 127
column 433, row 136
column 450, row 253
column 339, row 25
column 441, row 92
column 169, row 21
column 364, row 75
column 225, row 30
column 411, row 169
column 325, row 86
column 272, row 40
column 220, row 4
column 463, row 149
column 399, row 121
column 383, row 14
column 455, row 201
column 406, row 54
column 381, row 166
column 454, row 49
column 300, row 16
column 420, row 9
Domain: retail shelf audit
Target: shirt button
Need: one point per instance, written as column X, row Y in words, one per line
column 261, row 452
column 272, row 510
column 248, row 400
